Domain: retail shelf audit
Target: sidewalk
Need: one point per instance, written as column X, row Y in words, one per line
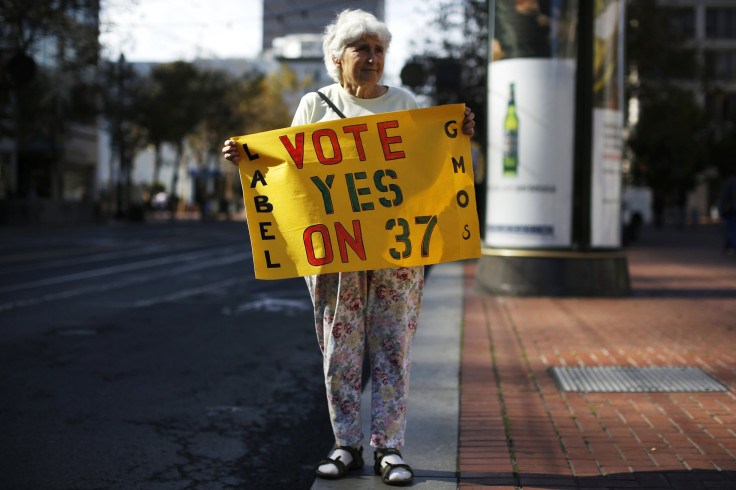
column 517, row 429
column 433, row 408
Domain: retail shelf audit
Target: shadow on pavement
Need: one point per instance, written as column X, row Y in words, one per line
column 684, row 293
column 683, row 479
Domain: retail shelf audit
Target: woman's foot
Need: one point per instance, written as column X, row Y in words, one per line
column 392, row 468
column 340, row 461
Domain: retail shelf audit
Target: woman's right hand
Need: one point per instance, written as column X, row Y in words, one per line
column 230, row 151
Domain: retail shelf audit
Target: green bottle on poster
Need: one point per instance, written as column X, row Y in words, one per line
column 511, row 138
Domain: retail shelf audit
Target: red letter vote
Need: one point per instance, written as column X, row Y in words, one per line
column 297, row 154
column 317, row 140
column 356, row 130
column 386, row 140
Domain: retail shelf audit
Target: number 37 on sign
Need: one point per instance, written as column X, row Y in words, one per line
column 371, row 192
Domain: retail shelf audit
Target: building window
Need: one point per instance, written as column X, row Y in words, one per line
column 720, row 23
column 721, row 107
column 729, row 107
column 5, row 180
column 684, row 20
column 721, row 65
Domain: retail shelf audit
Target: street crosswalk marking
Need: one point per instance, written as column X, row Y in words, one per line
column 116, row 269
column 194, row 264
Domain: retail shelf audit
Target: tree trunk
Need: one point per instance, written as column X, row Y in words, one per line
column 175, row 179
column 156, row 163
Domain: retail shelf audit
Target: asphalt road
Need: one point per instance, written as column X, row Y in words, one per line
column 148, row 356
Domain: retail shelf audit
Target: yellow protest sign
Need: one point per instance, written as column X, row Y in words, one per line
column 371, row 192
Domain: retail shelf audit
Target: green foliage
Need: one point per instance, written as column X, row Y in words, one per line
column 27, row 22
column 656, row 48
column 122, row 102
column 62, row 40
column 223, row 113
column 189, row 108
column 218, row 115
column 236, row 106
column 263, row 105
column 174, row 99
column 723, row 150
column 669, row 141
column 156, row 187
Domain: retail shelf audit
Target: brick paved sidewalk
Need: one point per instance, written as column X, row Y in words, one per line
column 517, row 428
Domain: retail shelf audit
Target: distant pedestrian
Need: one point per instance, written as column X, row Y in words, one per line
column 366, row 313
column 727, row 211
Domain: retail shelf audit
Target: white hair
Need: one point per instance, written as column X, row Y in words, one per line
column 349, row 26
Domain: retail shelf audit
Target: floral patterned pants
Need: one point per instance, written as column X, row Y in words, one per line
column 374, row 312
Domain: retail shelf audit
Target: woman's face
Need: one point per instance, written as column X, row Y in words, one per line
column 362, row 61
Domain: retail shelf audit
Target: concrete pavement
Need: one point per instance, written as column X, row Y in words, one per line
column 432, row 424
column 491, row 415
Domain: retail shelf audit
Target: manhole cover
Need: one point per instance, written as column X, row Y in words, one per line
column 634, row 379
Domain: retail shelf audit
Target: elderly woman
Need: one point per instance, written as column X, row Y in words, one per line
column 368, row 312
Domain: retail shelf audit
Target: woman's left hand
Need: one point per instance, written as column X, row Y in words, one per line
column 469, row 122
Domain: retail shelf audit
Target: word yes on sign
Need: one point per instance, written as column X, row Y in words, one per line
column 371, row 192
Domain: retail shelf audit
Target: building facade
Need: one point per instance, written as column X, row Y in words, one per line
column 282, row 18
column 711, row 25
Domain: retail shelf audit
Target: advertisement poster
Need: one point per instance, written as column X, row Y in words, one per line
column 608, row 120
column 531, row 124
column 371, row 192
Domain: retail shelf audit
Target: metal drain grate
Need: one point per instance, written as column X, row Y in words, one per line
column 634, row 379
